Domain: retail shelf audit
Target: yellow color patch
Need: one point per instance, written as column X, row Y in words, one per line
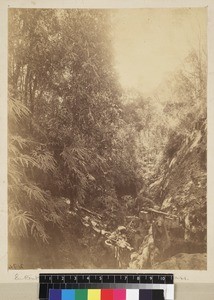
column 94, row 294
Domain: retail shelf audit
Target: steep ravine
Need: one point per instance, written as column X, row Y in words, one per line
column 177, row 236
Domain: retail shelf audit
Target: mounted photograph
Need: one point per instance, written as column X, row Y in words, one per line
column 107, row 138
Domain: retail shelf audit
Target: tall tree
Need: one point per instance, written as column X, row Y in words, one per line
column 65, row 110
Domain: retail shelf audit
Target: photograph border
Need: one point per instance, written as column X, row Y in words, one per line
column 32, row 275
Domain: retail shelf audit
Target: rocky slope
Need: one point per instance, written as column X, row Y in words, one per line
column 177, row 236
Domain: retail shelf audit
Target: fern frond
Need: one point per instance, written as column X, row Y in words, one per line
column 35, row 193
column 38, row 232
column 45, row 161
column 20, row 141
column 13, row 150
column 77, row 159
column 18, row 222
column 21, row 224
column 54, row 218
column 14, row 176
column 25, row 160
column 17, row 110
column 80, row 158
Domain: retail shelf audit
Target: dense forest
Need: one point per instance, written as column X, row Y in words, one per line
column 99, row 176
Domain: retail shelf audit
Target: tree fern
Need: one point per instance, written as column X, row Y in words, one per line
column 26, row 198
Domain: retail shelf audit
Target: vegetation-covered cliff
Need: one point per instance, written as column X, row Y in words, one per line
column 99, row 177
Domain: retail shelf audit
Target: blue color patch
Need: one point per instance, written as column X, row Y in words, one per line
column 68, row 294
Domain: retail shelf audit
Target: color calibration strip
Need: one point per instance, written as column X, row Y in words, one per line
column 105, row 294
column 144, row 286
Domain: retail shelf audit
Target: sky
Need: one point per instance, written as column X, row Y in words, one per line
column 151, row 43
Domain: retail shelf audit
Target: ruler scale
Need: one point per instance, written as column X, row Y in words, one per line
column 65, row 286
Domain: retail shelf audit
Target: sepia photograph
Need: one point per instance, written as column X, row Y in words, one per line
column 107, row 138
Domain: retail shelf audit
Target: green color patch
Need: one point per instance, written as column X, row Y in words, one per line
column 81, row 294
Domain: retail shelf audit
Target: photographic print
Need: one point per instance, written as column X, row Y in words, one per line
column 107, row 138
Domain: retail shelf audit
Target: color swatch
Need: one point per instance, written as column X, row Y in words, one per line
column 106, row 286
column 106, row 294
